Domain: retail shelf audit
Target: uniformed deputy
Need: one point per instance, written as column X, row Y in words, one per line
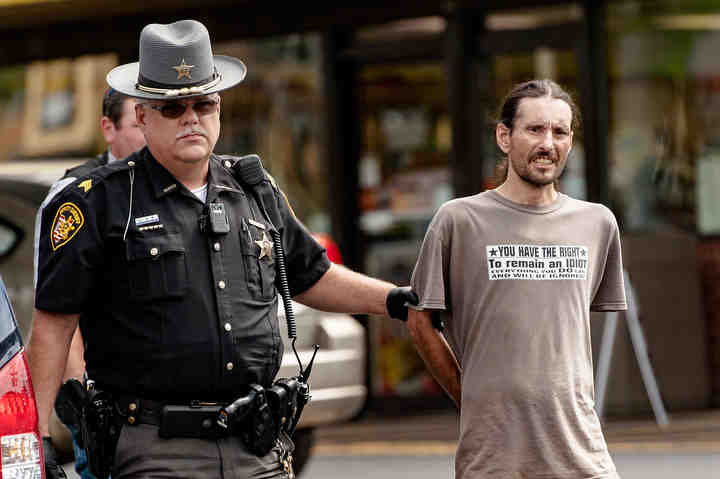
column 177, row 309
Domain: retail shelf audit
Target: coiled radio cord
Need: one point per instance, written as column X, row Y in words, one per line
column 285, row 293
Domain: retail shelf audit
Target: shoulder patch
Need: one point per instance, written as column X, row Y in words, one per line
column 68, row 221
column 85, row 185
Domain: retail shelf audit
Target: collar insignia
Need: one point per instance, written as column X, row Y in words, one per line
column 183, row 70
column 68, row 221
column 85, row 185
column 265, row 246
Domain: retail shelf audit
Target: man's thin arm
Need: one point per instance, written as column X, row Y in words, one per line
column 47, row 352
column 435, row 352
column 341, row 290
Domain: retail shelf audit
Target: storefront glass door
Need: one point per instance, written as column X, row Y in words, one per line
column 404, row 177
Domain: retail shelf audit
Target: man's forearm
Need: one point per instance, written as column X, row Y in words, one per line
column 342, row 290
column 47, row 352
column 435, row 352
column 75, row 367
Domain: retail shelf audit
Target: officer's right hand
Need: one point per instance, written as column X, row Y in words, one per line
column 53, row 470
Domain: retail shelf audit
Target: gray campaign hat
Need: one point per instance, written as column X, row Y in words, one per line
column 176, row 61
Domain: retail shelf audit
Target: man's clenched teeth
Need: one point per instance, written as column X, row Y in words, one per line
column 543, row 161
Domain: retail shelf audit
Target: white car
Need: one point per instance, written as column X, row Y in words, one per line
column 338, row 376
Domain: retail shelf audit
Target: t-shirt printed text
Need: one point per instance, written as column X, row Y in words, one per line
column 537, row 262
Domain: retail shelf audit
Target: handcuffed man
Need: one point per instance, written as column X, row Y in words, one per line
column 513, row 274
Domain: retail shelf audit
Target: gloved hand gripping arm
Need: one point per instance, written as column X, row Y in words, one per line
column 398, row 300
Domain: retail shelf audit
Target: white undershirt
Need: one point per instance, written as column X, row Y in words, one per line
column 201, row 192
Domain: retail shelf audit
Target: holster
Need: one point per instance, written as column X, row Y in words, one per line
column 283, row 399
column 93, row 414
column 264, row 417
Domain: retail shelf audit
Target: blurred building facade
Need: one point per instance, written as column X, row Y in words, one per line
column 371, row 116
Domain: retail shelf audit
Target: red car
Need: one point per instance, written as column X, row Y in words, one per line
column 20, row 443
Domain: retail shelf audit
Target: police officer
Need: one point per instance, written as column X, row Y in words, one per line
column 123, row 136
column 177, row 283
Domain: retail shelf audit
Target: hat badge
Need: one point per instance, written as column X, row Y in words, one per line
column 183, row 70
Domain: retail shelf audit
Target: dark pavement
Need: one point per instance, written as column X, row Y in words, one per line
column 393, row 432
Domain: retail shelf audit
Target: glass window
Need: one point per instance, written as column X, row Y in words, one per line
column 8, row 329
column 9, row 238
column 404, row 177
column 664, row 115
column 62, row 106
column 403, row 171
column 277, row 113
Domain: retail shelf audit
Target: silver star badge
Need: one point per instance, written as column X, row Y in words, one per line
column 183, row 69
column 266, row 246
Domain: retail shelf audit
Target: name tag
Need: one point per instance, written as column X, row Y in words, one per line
column 256, row 224
column 144, row 220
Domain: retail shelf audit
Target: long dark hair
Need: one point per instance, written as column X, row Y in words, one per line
column 531, row 89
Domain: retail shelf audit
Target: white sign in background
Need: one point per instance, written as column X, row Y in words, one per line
column 537, row 262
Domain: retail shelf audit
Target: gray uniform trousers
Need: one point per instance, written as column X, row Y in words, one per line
column 141, row 453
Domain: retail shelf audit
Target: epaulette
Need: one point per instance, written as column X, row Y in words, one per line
column 249, row 171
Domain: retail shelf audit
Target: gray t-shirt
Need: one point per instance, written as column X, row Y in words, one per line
column 515, row 285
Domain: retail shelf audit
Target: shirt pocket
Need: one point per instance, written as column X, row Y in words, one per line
column 258, row 260
column 157, row 267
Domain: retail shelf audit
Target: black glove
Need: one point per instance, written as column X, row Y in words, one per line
column 396, row 300
column 53, row 470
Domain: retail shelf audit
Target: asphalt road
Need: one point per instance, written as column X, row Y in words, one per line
column 630, row 466
column 422, row 447
column 437, row 466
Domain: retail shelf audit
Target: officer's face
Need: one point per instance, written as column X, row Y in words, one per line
column 182, row 131
column 125, row 137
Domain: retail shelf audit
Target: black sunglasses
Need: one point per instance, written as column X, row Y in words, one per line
column 175, row 109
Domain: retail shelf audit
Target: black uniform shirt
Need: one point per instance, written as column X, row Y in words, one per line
column 173, row 311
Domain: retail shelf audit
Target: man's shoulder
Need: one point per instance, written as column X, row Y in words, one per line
column 465, row 204
column 460, row 211
column 87, row 167
column 584, row 207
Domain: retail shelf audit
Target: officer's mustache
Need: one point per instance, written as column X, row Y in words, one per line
column 191, row 131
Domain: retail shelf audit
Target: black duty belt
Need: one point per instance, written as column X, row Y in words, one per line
column 190, row 419
column 140, row 411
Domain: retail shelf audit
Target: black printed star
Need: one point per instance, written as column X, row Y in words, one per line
column 493, row 252
column 583, row 252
